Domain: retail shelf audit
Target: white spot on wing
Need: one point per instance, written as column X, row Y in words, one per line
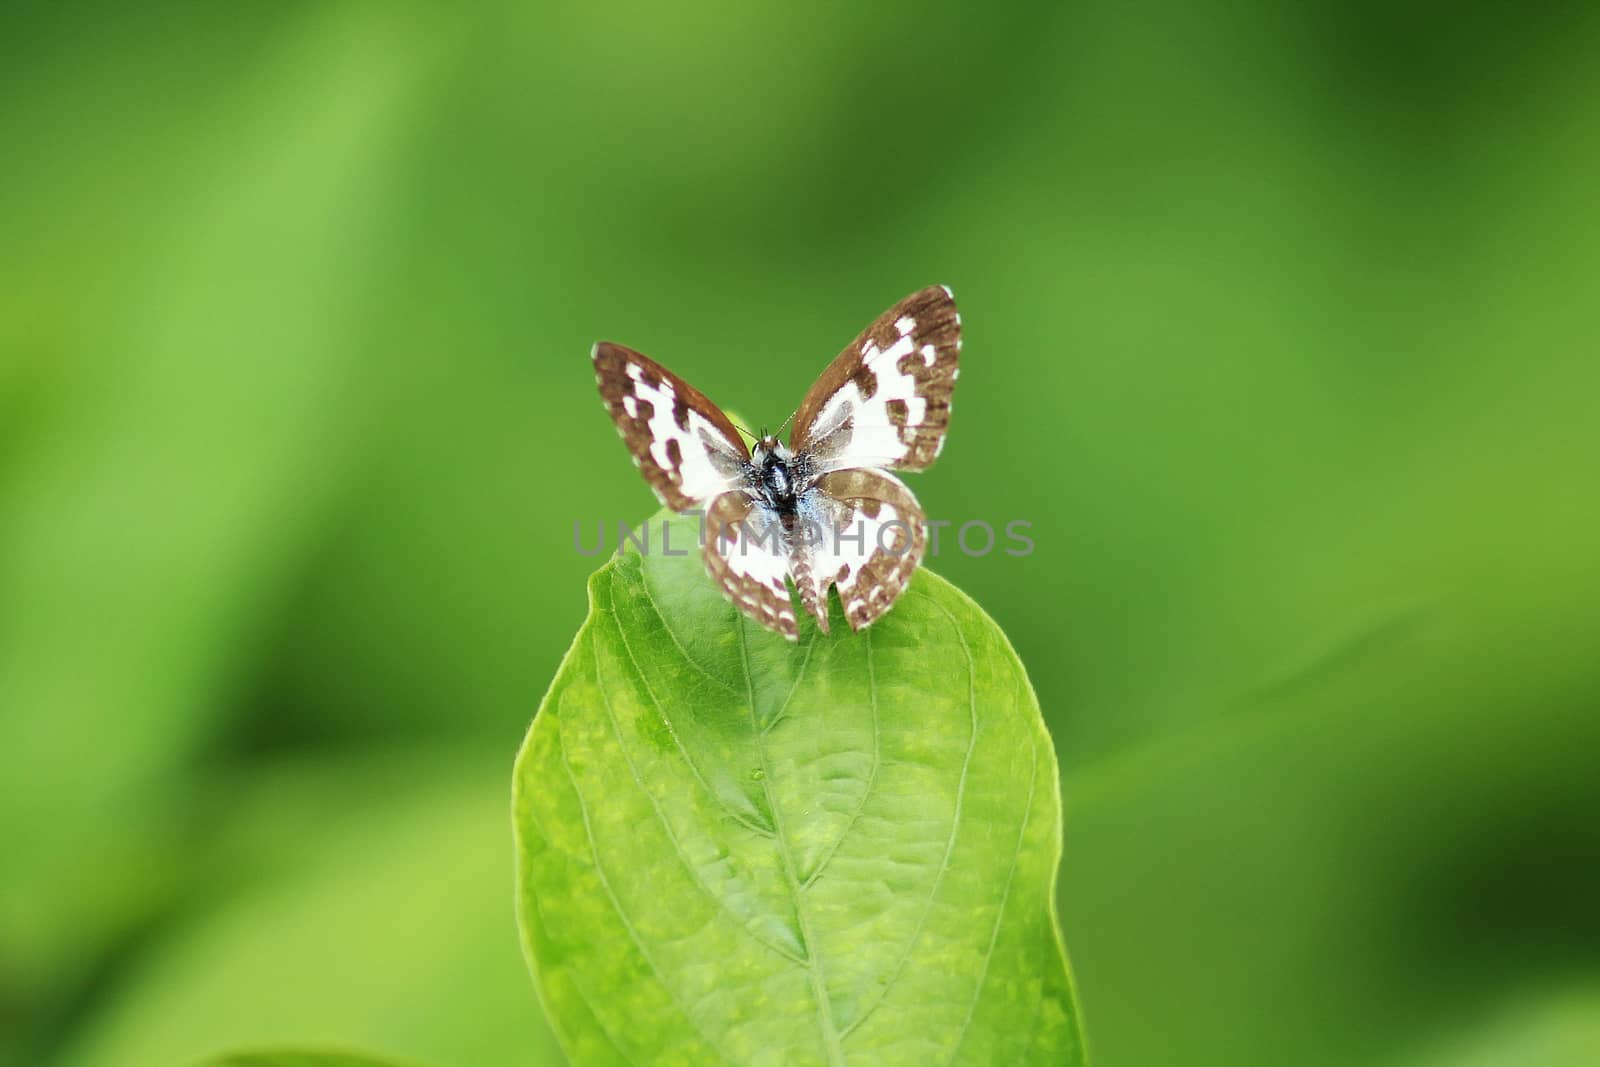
column 905, row 324
column 901, row 347
column 698, row 477
column 874, row 439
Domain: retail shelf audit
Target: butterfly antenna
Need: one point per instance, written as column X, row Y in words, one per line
column 741, row 429
column 786, row 422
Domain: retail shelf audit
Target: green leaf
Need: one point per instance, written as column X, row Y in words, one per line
column 734, row 849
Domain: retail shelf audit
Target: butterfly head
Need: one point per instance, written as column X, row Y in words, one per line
column 768, row 449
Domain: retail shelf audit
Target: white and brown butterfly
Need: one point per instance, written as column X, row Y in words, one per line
column 821, row 511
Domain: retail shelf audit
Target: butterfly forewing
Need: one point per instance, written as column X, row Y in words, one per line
column 885, row 400
column 683, row 444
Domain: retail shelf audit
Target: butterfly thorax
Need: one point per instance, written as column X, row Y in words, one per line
column 776, row 476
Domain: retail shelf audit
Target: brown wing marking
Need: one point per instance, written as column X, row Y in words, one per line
column 876, row 539
column 885, row 400
column 681, row 442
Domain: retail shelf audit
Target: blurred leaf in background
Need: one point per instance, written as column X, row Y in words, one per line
column 296, row 1058
column 1280, row 332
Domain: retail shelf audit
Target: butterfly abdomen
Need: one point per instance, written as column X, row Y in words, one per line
column 815, row 606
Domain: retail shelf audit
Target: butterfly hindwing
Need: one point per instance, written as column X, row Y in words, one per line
column 868, row 540
column 747, row 555
column 683, row 444
column 885, row 400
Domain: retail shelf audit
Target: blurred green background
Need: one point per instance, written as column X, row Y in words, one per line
column 1281, row 329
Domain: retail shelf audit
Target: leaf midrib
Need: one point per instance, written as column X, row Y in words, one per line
column 819, row 988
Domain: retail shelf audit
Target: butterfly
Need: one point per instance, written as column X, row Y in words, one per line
column 822, row 511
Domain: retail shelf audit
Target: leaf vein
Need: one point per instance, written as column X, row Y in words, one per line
column 694, row 768
column 798, row 675
column 572, row 974
column 622, row 914
column 872, row 775
column 644, row 583
column 677, row 846
column 999, row 914
column 955, row 821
